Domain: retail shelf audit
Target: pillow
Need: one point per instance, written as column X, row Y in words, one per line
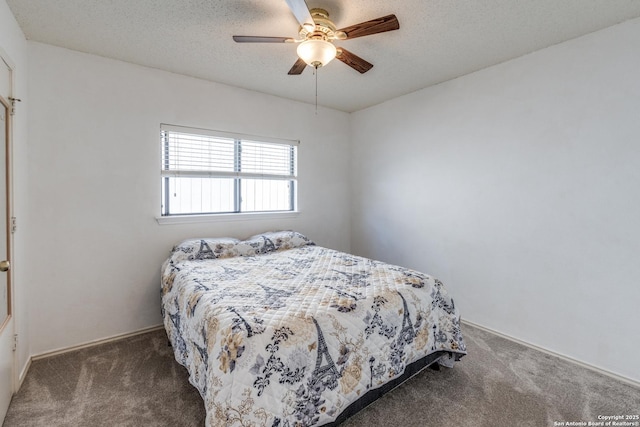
column 207, row 248
column 274, row 241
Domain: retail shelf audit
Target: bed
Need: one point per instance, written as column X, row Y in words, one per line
column 277, row 331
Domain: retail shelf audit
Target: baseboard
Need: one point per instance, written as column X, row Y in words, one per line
column 95, row 342
column 570, row 359
column 23, row 374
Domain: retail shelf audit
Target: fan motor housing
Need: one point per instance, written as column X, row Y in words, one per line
column 325, row 28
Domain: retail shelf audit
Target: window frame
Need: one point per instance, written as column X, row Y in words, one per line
column 237, row 175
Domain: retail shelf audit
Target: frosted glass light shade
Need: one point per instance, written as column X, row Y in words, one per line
column 316, row 53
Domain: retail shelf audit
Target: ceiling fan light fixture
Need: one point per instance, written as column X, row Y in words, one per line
column 317, row 52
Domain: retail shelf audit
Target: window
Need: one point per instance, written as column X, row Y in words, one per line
column 211, row 172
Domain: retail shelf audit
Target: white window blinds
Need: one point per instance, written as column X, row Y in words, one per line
column 207, row 171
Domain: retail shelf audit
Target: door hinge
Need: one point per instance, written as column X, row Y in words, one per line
column 15, row 342
column 14, row 224
column 13, row 104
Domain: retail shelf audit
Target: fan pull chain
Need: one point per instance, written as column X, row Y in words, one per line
column 315, row 71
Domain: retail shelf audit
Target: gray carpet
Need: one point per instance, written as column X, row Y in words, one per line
column 136, row 382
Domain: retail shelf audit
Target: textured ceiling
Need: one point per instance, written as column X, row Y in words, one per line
column 438, row 39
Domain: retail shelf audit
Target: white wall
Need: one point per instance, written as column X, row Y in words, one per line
column 13, row 42
column 95, row 245
column 518, row 186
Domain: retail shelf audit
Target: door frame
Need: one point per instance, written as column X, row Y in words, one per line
column 7, row 130
column 10, row 322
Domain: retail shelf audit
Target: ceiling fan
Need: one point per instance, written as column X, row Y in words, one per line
column 316, row 35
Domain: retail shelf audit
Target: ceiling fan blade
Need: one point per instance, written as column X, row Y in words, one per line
column 375, row 26
column 353, row 61
column 297, row 68
column 301, row 12
column 258, row 39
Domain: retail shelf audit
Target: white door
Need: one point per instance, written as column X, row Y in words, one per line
column 6, row 320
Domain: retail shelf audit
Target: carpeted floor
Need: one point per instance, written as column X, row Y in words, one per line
column 136, row 382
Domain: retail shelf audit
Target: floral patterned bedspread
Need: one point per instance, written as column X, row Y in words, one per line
column 276, row 331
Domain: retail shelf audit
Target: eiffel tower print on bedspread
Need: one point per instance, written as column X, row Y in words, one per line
column 326, row 374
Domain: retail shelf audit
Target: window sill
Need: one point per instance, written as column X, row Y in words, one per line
column 249, row 216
